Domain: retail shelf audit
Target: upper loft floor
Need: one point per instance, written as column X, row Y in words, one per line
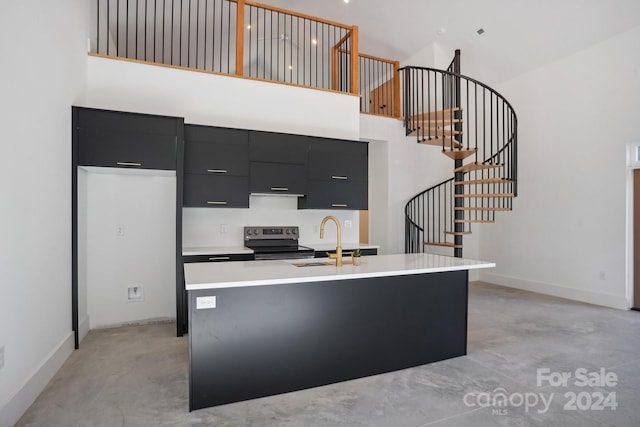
column 249, row 40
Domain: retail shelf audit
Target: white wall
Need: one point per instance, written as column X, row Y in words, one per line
column 143, row 207
column 209, row 99
column 566, row 235
column 43, row 71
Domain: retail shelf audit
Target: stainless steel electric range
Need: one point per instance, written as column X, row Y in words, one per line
column 276, row 243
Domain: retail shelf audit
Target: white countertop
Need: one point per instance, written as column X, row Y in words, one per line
column 214, row 275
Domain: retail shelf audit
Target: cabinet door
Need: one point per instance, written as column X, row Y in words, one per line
column 334, row 160
column 350, row 195
column 221, row 151
column 216, row 191
column 277, row 178
column 114, row 139
column 217, row 258
column 278, row 147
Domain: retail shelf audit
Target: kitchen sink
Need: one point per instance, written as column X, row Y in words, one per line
column 312, row 264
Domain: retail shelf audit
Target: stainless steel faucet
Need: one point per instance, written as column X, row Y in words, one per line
column 338, row 255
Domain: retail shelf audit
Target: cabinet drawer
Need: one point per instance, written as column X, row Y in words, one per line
column 277, row 178
column 217, row 258
column 278, row 147
column 133, row 149
column 350, row 195
column 216, row 191
column 216, row 151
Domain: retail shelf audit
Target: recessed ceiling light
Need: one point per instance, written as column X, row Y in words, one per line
column 291, row 67
column 249, row 27
column 314, row 41
column 480, row 31
column 346, row 1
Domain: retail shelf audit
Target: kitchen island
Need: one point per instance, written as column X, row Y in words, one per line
column 259, row 328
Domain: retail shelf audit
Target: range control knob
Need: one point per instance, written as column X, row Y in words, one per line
column 288, row 231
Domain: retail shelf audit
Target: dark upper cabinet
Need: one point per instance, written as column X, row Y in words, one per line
column 209, row 191
column 127, row 140
column 337, row 175
column 219, row 151
column 277, row 178
column 216, row 165
column 278, row 147
column 332, row 160
column 278, row 163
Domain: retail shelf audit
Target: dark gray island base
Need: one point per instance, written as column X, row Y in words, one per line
column 264, row 340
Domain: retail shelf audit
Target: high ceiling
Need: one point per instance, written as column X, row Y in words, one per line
column 520, row 35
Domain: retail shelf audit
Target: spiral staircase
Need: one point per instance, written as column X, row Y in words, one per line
column 477, row 128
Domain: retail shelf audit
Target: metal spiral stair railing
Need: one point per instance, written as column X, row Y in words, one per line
column 476, row 127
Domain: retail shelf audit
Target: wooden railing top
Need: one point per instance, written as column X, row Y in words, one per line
column 292, row 13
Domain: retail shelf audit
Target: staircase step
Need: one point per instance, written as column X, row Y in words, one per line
column 483, row 195
column 473, row 221
column 439, row 141
column 475, row 166
column 483, row 181
column 457, row 233
column 469, row 208
column 433, row 132
column 459, row 153
column 444, row 245
column 432, row 115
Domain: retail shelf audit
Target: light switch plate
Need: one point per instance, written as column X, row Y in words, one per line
column 203, row 303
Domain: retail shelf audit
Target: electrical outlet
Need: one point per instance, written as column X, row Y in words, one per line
column 203, row 303
column 348, row 223
column 1, row 357
column 224, row 228
column 120, row 230
column 135, row 293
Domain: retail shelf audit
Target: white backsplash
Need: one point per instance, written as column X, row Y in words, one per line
column 225, row 227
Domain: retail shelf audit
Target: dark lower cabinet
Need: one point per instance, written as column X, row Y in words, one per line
column 207, row 191
column 345, row 250
column 217, row 258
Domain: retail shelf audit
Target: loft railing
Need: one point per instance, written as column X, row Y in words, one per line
column 245, row 38
column 233, row 37
column 458, row 113
column 379, row 86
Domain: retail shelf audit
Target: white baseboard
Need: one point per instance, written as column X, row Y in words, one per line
column 607, row 300
column 83, row 328
column 18, row 404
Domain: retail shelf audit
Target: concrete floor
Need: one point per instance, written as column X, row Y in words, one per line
column 138, row 376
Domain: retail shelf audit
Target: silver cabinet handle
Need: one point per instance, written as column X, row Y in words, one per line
column 342, row 178
column 279, row 189
column 217, row 170
column 128, row 164
column 338, row 205
column 220, row 258
column 216, row 202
